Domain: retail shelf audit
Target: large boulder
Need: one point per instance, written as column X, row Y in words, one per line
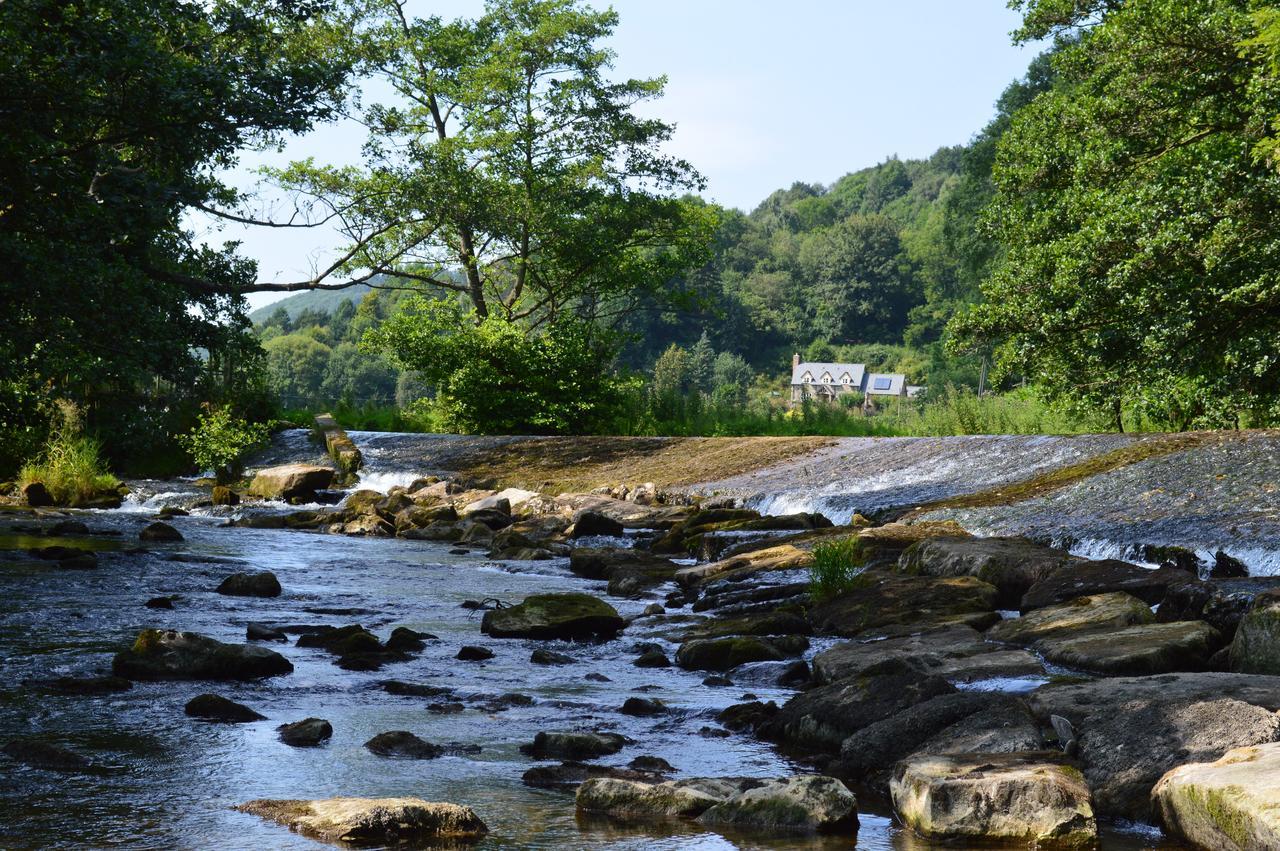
column 364, row 821
column 1076, row 701
column 159, row 533
column 587, row 523
column 723, row 654
column 804, row 804
column 1083, row 614
column 401, row 744
column 1012, row 565
column 1024, row 798
column 820, row 719
column 1101, row 577
column 551, row 616
column 307, row 733
column 1144, row 649
column 291, row 482
column 632, row 799
column 1125, row 753
column 884, row 599
column 574, row 745
column 167, row 654
column 963, row 722
column 1231, row 804
column 1256, row 649
column 778, row 557
column 958, row 653
column 263, row 584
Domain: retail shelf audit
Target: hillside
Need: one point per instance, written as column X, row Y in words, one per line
column 322, row 301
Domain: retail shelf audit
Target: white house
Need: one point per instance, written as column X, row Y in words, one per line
column 828, row 381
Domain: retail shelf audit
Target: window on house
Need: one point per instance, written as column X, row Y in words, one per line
column 882, row 384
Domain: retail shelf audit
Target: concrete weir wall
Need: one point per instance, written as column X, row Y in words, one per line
column 1103, row 495
column 341, row 448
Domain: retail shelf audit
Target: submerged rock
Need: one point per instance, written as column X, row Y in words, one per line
column 542, row 656
column 262, row 584
column 264, row 632
column 306, row 733
column 1231, row 803
column 569, row 775
column 81, row 686
column 38, row 754
column 160, row 533
column 807, row 804
column 472, row 653
column 552, row 616
column 166, row 654
column 371, row 820
column 212, row 707
column 402, row 744
column 574, row 746
column 1025, row 798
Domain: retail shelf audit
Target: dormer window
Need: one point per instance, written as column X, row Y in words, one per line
column 808, row 378
column 826, row 378
column 844, row 379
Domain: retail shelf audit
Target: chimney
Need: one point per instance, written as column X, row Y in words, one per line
column 795, row 360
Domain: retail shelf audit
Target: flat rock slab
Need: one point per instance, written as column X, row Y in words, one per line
column 885, row 599
column 1027, row 798
column 1114, row 610
column 371, row 820
column 1125, row 753
column 963, row 722
column 957, row 653
column 290, row 481
column 1226, row 805
column 551, row 616
column 631, row 799
column 1076, row 701
column 1100, row 577
column 1145, row 649
column 1012, row 565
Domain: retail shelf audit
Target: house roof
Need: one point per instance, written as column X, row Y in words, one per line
column 836, row 370
column 885, row 383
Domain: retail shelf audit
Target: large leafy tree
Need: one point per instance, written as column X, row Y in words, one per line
column 1136, row 207
column 506, row 166
column 117, row 115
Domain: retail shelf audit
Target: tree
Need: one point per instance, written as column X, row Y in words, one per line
column 296, row 367
column 860, row 292
column 493, row 377
column 1137, row 216
column 117, row 115
column 510, row 169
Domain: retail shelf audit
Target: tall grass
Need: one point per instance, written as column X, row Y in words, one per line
column 837, row 567
column 70, row 466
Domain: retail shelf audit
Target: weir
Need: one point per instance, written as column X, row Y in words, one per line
column 1220, row 495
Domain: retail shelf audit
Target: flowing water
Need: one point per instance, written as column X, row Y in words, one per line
column 166, row 781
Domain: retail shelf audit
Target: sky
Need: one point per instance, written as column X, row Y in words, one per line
column 763, row 94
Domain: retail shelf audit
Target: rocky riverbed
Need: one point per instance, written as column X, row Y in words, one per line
column 437, row 661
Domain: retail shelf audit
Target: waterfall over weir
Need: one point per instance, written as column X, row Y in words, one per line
column 1222, row 496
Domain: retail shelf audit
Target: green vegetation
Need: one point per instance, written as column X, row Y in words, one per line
column 836, row 567
column 526, row 257
column 219, row 440
column 70, row 465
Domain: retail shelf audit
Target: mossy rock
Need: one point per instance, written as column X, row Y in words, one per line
column 723, row 654
column 172, row 655
column 552, row 616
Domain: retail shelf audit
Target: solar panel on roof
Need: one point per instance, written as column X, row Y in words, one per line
column 883, row 383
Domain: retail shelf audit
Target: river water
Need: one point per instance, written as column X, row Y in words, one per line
column 168, row 781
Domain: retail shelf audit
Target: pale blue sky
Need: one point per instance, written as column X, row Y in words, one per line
column 762, row 93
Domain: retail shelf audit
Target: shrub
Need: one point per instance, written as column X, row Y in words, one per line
column 219, row 441
column 836, row 568
column 70, row 466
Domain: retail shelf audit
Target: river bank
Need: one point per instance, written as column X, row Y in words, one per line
column 936, row 629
